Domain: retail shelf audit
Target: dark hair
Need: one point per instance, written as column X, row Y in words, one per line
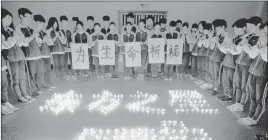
column 63, row 18
column 255, row 20
column 75, row 19
column 51, row 23
column 112, row 23
column 194, row 26
column 39, row 18
column 202, row 23
column 240, row 23
column 157, row 23
column 142, row 20
column 5, row 13
column 178, row 21
column 263, row 25
column 90, row 18
column 163, row 21
column 106, row 18
column 130, row 15
column 129, row 23
column 150, row 17
column 220, row 23
column 23, row 11
column 214, row 22
column 208, row 26
column 79, row 22
column 185, row 24
column 97, row 24
column 172, row 23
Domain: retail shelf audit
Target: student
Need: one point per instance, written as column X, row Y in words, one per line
column 93, row 40
column 156, row 67
column 31, row 50
column 106, row 21
column 81, row 36
column 171, row 34
column 75, row 19
column 127, row 36
column 239, row 27
column 178, row 25
column 68, row 36
column 150, row 29
column 44, row 42
column 113, row 35
column 257, row 43
column 142, row 37
column 130, row 18
column 90, row 30
column 163, row 23
column 217, row 55
column 8, row 49
column 58, row 49
column 186, row 51
column 193, row 42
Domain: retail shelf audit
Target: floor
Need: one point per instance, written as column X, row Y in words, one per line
column 30, row 123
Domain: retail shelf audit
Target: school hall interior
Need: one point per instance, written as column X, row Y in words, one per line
column 149, row 109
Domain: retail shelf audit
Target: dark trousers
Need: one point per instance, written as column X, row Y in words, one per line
column 114, row 69
column 66, row 56
column 59, row 64
column 186, row 57
column 216, row 82
column 47, row 71
column 227, row 80
column 194, row 66
column 4, row 86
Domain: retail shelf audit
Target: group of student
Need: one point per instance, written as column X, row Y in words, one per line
column 215, row 58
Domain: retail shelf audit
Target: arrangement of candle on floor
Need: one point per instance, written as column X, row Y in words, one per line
column 189, row 101
column 105, row 103
column 141, row 103
column 60, row 103
column 168, row 130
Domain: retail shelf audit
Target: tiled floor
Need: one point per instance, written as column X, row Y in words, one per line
column 29, row 123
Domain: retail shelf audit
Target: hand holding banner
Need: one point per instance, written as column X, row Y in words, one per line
column 80, row 55
column 174, row 51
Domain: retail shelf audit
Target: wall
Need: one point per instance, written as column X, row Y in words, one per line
column 186, row 11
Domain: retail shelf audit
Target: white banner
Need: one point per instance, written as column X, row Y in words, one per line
column 156, row 50
column 106, row 49
column 174, row 51
column 133, row 54
column 80, row 55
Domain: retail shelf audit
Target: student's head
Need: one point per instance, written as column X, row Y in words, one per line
column 90, row 21
column 53, row 23
column 106, row 21
column 264, row 27
column 185, row 26
column 201, row 26
column 6, row 18
column 194, row 29
column 150, row 21
column 253, row 24
column 25, row 16
column 220, row 25
column 40, row 22
column 128, row 26
column 97, row 27
column 75, row 19
column 172, row 26
column 163, row 22
column 178, row 24
column 142, row 23
column 240, row 26
column 130, row 17
column 112, row 26
column 207, row 28
column 80, row 26
column 64, row 21
column 157, row 26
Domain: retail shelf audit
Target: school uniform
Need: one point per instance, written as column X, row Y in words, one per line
column 199, row 58
column 90, row 31
column 207, row 51
column 4, row 81
column 186, row 57
column 142, row 37
column 114, row 69
column 95, row 54
column 163, row 31
column 168, row 68
column 210, row 62
column 156, row 68
column 202, row 58
column 33, row 56
column 194, row 58
column 150, row 32
column 68, row 35
column 127, row 37
column 133, row 29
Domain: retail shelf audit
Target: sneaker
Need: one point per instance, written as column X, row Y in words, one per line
column 10, row 106
column 221, row 97
column 252, row 122
column 6, row 110
column 244, row 121
column 114, row 77
column 23, row 100
column 125, row 78
column 262, row 137
column 226, row 100
column 166, row 78
column 30, row 99
column 232, row 106
column 237, row 108
column 213, row 93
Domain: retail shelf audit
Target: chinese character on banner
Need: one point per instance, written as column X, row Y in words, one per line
column 174, row 51
column 156, row 50
column 106, row 49
column 133, row 54
column 80, row 56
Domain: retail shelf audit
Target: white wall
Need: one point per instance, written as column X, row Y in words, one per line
column 186, row 11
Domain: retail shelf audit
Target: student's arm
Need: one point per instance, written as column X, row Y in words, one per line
column 53, row 35
column 21, row 39
column 62, row 38
column 9, row 43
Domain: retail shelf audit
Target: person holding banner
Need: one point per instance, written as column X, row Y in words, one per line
column 58, row 49
column 75, row 19
column 186, row 51
column 142, row 37
column 193, row 42
column 112, row 35
column 68, row 36
column 127, row 36
column 81, row 36
column 90, row 30
column 172, row 34
column 130, row 18
column 93, row 40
